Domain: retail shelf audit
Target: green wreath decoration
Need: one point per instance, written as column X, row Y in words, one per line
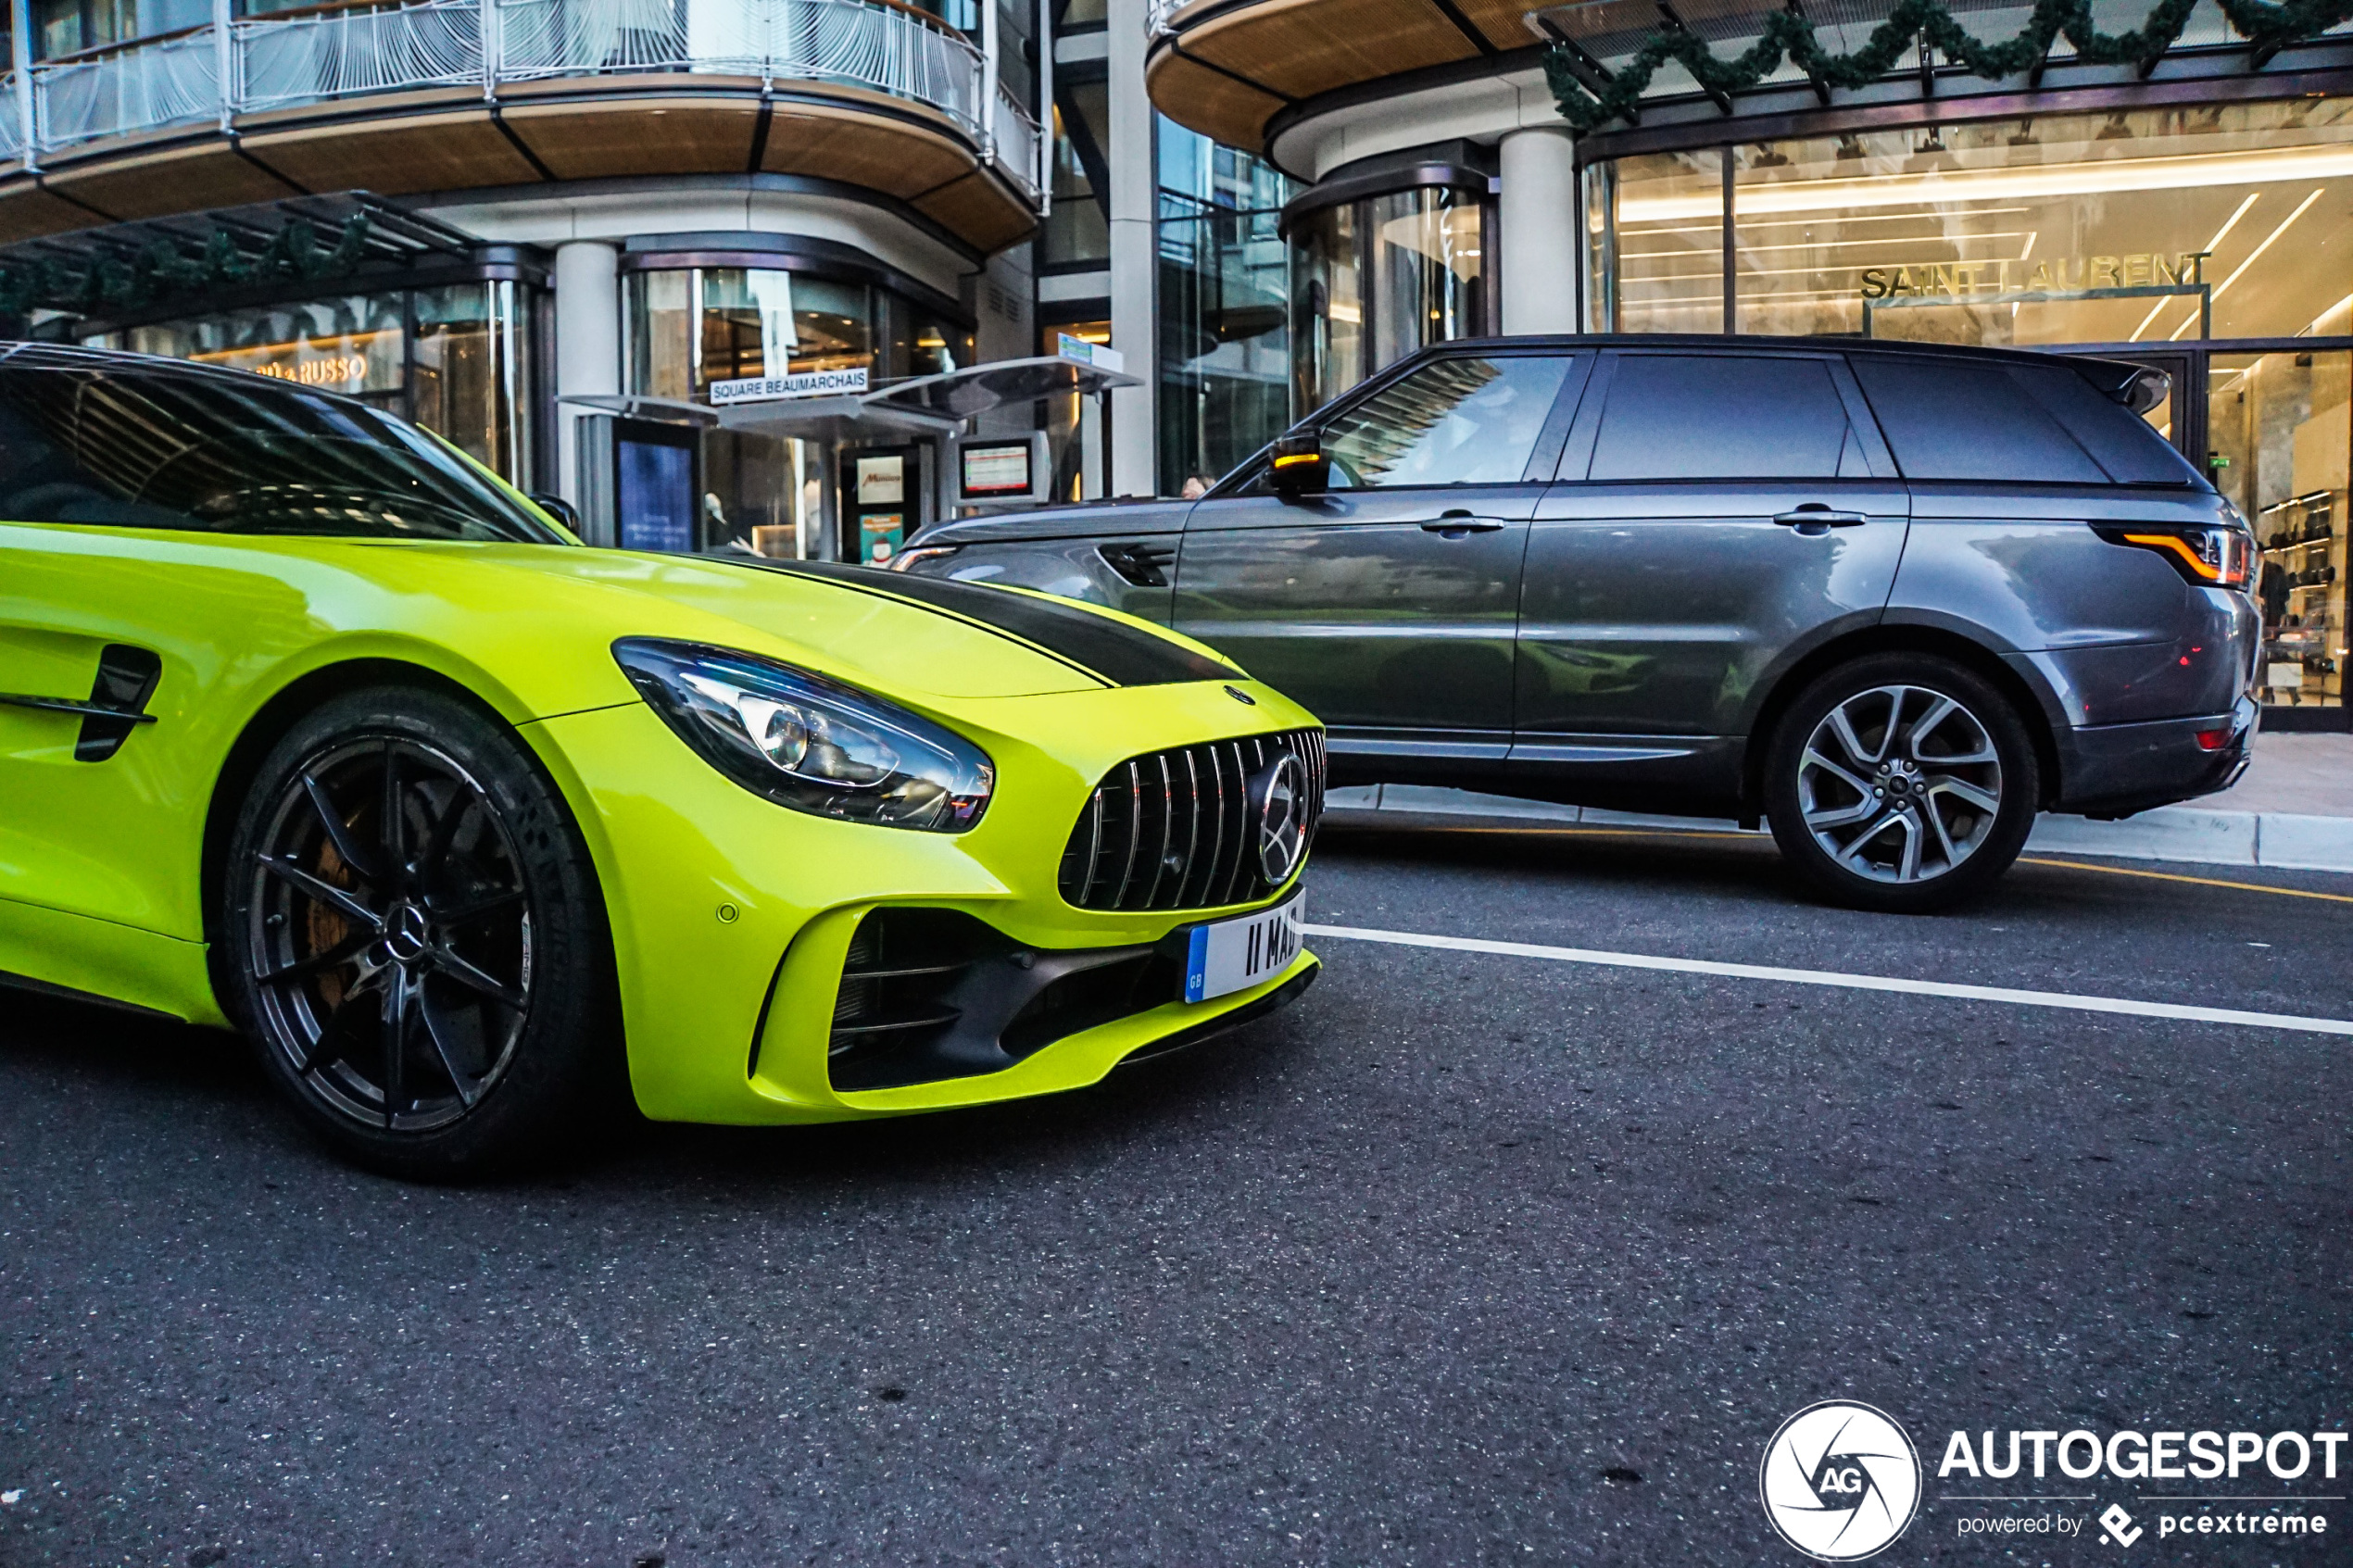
column 1786, row 35
column 163, row 270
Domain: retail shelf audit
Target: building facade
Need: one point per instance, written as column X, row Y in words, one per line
column 564, row 233
column 2168, row 185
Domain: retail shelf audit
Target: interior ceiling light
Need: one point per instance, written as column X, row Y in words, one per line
column 2211, row 245
column 2100, row 177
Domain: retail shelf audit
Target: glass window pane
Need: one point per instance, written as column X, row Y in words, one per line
column 1720, row 416
column 469, row 362
column 1427, row 267
column 1225, row 343
column 2130, row 447
column 1328, row 306
column 662, row 334
column 1948, row 421
column 2101, row 228
column 353, row 344
column 1459, row 422
column 2279, row 425
column 1079, row 228
column 1664, row 243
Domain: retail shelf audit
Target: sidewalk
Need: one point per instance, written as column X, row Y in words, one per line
column 2294, row 809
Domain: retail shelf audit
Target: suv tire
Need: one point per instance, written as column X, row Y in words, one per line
column 413, row 936
column 1901, row 782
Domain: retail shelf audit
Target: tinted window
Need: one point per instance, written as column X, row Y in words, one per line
column 1458, row 422
column 1693, row 416
column 1950, row 419
column 142, row 448
column 2127, row 445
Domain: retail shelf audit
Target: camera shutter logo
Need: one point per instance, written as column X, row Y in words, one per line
column 1840, row 1481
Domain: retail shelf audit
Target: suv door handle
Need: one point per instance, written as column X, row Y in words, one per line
column 1813, row 517
column 1454, row 524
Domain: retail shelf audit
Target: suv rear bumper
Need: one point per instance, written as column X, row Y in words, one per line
column 2113, row 769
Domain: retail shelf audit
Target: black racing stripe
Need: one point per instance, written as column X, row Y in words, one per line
column 1121, row 654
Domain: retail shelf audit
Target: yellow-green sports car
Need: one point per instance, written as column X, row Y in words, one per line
column 310, row 726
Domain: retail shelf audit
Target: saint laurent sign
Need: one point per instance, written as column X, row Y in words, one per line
column 2060, row 276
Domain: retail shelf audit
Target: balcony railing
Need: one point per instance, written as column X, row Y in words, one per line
column 11, row 117
column 279, row 62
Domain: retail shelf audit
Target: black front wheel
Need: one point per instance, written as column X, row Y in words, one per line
column 414, row 938
column 1901, row 782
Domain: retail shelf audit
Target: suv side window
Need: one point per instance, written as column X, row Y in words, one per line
column 1951, row 419
column 1725, row 416
column 1471, row 420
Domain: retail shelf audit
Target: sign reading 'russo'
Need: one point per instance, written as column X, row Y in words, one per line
column 2060, row 276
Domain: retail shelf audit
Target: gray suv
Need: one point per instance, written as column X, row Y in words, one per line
column 1892, row 598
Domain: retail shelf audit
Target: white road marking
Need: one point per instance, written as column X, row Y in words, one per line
column 1847, row 981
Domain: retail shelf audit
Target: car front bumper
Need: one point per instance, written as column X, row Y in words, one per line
column 733, row 918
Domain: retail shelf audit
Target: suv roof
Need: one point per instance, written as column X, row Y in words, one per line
column 2137, row 387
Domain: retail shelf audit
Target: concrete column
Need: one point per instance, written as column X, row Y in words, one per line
column 588, row 344
column 1539, row 218
column 1135, row 271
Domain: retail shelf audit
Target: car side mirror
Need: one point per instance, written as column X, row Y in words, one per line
column 556, row 507
column 1299, row 467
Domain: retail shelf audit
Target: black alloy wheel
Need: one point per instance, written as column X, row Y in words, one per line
column 1901, row 782
column 415, row 938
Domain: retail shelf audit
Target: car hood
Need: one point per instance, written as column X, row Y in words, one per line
column 541, row 620
column 1082, row 521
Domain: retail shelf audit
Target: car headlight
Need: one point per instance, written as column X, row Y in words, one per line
column 809, row 743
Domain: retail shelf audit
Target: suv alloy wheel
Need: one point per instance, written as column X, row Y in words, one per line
column 1901, row 782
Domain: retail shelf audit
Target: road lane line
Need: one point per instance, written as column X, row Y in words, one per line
column 1847, row 981
column 2177, row 876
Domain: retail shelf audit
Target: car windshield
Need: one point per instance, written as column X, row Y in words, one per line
column 134, row 447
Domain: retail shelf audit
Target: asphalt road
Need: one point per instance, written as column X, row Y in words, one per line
column 1466, row 1259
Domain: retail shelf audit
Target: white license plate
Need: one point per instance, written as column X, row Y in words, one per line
column 1233, row 955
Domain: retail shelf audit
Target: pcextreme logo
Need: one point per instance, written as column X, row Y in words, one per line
column 1840, row 1481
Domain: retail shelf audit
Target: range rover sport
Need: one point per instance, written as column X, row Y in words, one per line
column 1892, row 598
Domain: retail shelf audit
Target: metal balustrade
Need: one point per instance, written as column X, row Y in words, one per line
column 279, row 62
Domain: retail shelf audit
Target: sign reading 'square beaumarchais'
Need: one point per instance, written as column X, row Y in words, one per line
column 800, row 384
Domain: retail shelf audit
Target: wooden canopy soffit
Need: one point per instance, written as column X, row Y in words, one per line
column 595, row 129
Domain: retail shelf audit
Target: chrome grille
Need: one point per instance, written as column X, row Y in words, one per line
column 1171, row 830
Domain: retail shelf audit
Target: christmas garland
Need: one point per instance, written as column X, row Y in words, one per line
column 1587, row 104
column 119, row 285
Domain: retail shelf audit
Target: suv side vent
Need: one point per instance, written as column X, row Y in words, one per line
column 1146, row 566
column 1174, row 830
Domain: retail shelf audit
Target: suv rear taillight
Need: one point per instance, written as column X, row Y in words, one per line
column 2206, row 557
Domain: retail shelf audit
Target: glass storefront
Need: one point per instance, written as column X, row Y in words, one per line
column 2227, row 221
column 2280, row 426
column 2214, row 241
column 1225, row 328
column 689, row 329
column 455, row 359
column 1372, row 280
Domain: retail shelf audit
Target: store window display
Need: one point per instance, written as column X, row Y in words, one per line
column 2281, row 428
column 456, row 359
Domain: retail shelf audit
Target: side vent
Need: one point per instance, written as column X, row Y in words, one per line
column 1146, row 566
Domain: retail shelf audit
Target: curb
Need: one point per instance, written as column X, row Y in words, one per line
column 2169, row 833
